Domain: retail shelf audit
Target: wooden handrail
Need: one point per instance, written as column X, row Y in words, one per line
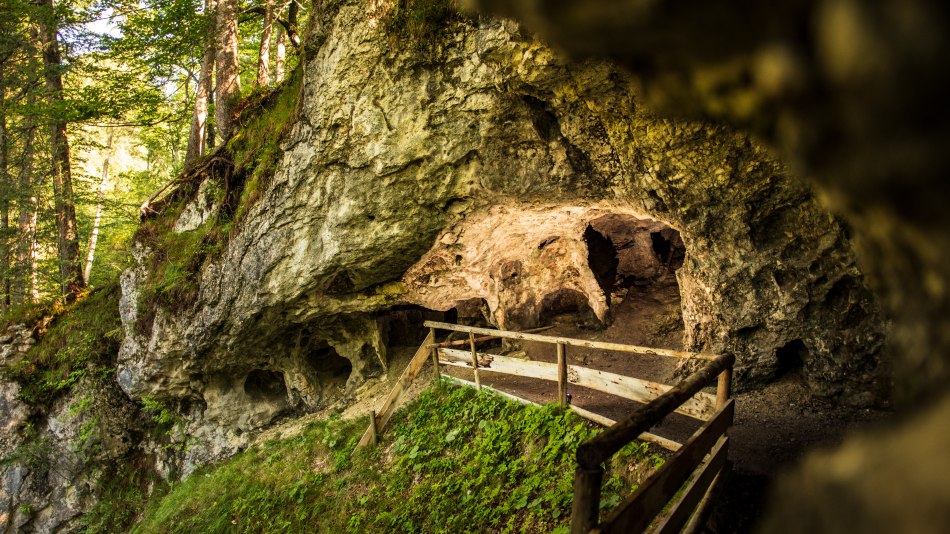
column 702, row 406
column 594, row 452
column 457, row 342
column 640, row 508
column 569, row 341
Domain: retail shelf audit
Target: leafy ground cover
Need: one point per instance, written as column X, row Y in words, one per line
column 454, row 461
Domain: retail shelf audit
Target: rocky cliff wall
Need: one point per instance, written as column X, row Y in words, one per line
column 396, row 147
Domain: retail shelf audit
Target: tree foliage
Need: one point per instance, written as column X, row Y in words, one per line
column 130, row 71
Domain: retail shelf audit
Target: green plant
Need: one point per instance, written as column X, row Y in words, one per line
column 122, row 495
column 81, row 340
column 506, row 467
column 418, row 23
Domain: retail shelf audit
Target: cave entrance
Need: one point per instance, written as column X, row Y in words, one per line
column 634, row 262
column 402, row 325
column 625, row 251
column 262, row 385
column 602, row 260
column 331, row 369
column 790, row 358
column 567, row 305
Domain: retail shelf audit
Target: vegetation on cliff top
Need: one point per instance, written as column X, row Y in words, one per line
column 76, row 341
column 455, row 461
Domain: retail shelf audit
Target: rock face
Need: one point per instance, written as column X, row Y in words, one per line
column 397, row 153
column 53, row 460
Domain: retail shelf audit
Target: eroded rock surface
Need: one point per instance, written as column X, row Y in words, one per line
column 396, row 149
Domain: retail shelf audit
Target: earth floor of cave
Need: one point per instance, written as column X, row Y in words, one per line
column 774, row 426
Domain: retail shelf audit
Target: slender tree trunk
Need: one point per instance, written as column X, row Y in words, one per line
column 228, row 82
column 209, row 127
column 263, row 60
column 70, row 266
column 199, row 120
column 281, row 54
column 24, row 281
column 94, row 236
column 6, row 191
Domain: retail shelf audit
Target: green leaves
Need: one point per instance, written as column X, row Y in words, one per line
column 454, row 461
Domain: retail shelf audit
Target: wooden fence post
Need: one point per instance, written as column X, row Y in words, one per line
column 561, row 375
column 723, row 387
column 585, row 511
column 471, row 340
column 436, row 373
column 373, row 434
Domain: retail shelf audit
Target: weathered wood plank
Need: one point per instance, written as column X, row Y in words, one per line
column 724, row 388
column 585, row 508
column 562, row 374
column 569, row 341
column 458, row 342
column 695, row 490
column 701, row 406
column 502, row 364
column 638, row 510
column 392, row 401
column 471, row 340
column 698, row 519
column 435, row 357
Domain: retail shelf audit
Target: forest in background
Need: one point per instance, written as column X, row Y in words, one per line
column 102, row 103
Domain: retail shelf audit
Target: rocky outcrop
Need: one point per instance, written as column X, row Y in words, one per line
column 54, row 461
column 397, row 150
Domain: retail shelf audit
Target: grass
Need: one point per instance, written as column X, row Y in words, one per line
column 454, row 461
column 82, row 338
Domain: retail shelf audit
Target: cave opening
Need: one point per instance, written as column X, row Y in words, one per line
column 567, row 305
column 602, row 259
column 329, row 366
column 668, row 247
column 790, row 358
column 643, row 254
column 263, row 385
column 403, row 325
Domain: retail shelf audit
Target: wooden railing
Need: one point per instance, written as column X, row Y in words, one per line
column 638, row 511
column 702, row 456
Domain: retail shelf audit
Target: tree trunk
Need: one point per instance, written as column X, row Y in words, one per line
column 6, row 190
column 24, row 281
column 209, row 142
column 94, row 236
column 281, row 54
column 199, row 120
column 228, row 81
column 263, row 61
column 70, row 266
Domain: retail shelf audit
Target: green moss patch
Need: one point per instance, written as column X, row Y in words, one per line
column 82, row 339
column 416, row 24
column 454, row 461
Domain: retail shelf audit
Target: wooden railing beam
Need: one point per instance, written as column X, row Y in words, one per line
column 592, row 453
column 525, row 336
